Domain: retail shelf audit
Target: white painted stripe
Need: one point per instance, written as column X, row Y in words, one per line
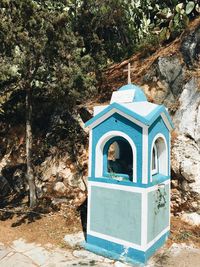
column 127, row 188
column 90, row 155
column 110, row 113
column 116, row 186
column 89, row 208
column 115, row 240
column 165, row 119
column 114, row 110
column 157, row 238
column 155, row 187
column 126, row 243
column 144, row 219
column 145, row 155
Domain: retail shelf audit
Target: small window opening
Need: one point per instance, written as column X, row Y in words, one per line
column 119, row 159
column 154, row 166
column 159, row 163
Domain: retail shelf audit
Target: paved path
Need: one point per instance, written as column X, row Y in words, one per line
column 23, row 254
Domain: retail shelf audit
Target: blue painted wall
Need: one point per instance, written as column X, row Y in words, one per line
column 118, row 123
column 116, row 213
column 157, row 214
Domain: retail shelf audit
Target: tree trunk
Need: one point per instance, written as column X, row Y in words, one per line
column 29, row 174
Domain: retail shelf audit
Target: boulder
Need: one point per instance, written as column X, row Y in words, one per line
column 186, row 147
column 60, row 169
column 187, row 116
column 171, row 71
column 186, row 162
column 60, row 188
column 166, row 83
column 191, row 218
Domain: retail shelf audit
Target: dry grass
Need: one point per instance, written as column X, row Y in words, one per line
column 182, row 232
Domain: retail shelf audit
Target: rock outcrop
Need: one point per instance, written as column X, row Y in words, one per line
column 182, row 97
column 169, row 76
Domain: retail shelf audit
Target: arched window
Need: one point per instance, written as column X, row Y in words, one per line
column 118, row 159
column 159, row 156
column 115, row 147
column 154, row 162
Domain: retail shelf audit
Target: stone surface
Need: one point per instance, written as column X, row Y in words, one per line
column 187, row 117
column 167, row 75
column 20, row 245
column 60, row 188
column 180, row 255
column 58, row 257
column 186, row 147
column 74, row 240
column 166, row 82
column 61, row 170
column 17, row 260
column 39, row 255
column 4, row 252
column 191, row 218
column 84, row 254
column 35, row 255
column 186, row 161
column 171, row 72
column 54, row 167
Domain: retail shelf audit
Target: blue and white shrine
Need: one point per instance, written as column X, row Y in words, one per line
column 129, row 177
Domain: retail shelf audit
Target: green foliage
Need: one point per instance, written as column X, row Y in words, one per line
column 112, row 29
column 105, row 28
column 163, row 18
column 58, row 48
column 40, row 51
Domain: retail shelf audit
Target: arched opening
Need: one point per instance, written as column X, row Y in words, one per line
column 118, row 159
column 159, row 156
column 101, row 153
column 154, row 162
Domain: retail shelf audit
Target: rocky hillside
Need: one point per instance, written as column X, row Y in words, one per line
column 169, row 75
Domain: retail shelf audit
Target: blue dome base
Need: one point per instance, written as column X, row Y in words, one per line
column 139, row 94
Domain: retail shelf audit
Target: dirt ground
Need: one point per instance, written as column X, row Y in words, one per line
column 48, row 228
column 51, row 228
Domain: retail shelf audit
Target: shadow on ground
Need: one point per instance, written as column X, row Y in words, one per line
column 82, row 209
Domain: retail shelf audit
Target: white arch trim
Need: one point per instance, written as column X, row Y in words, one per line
column 163, row 162
column 99, row 152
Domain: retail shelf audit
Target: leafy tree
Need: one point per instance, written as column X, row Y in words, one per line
column 40, row 52
column 57, row 49
column 112, row 29
column 105, row 28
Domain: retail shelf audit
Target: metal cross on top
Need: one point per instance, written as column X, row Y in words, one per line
column 129, row 72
